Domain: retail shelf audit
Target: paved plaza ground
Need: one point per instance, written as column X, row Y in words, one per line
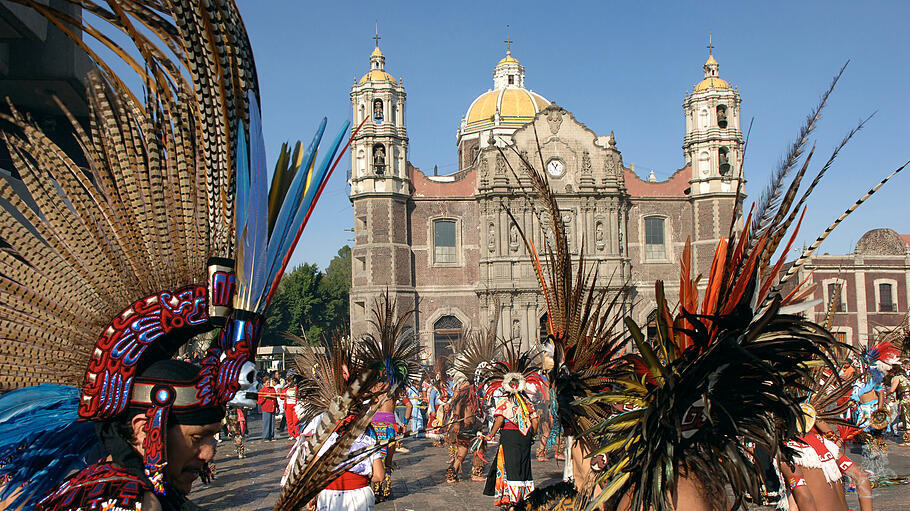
column 251, row 484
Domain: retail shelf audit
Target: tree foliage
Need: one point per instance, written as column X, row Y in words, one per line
column 310, row 302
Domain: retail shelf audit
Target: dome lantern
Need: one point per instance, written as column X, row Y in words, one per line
column 377, row 72
column 712, row 78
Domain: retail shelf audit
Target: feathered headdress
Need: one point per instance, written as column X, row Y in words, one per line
column 720, row 373
column 478, row 349
column 335, row 388
column 326, row 372
column 391, row 349
column 583, row 319
column 512, row 374
column 108, row 268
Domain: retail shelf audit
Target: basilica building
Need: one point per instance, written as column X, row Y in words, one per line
column 445, row 245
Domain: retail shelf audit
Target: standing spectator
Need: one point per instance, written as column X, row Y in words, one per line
column 268, row 401
column 290, row 411
column 279, row 383
column 416, row 416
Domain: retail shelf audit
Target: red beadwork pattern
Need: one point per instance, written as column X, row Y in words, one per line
column 238, row 340
column 100, row 486
column 154, row 454
column 109, row 378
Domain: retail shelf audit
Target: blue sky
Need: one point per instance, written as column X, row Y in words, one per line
column 621, row 66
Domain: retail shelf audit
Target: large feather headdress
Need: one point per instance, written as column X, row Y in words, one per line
column 728, row 370
column 584, row 322
column 512, row 373
column 326, row 372
column 336, row 389
column 391, row 348
column 476, row 351
column 116, row 264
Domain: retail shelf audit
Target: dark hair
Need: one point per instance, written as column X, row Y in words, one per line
column 124, row 428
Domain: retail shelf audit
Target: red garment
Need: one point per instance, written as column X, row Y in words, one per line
column 267, row 400
column 348, row 481
column 290, row 412
column 241, row 419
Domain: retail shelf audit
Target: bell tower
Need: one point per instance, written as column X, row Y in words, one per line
column 379, row 151
column 713, row 141
column 380, row 190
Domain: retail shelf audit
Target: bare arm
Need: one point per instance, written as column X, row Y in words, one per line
column 500, row 420
column 408, row 409
column 378, row 470
column 793, row 476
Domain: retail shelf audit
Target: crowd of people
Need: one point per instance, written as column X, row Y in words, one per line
column 169, row 226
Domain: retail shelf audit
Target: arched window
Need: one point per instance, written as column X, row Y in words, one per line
column 394, row 114
column 835, row 290
column 722, row 116
column 884, row 295
column 544, row 328
column 703, row 118
column 446, row 330
column 723, row 159
column 362, row 113
column 377, row 111
column 444, row 235
column 652, row 325
column 655, row 245
column 379, row 159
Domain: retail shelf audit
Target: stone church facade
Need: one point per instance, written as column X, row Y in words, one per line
column 446, row 246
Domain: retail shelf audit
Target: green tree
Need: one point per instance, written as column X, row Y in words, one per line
column 312, row 301
column 296, row 304
column 335, row 289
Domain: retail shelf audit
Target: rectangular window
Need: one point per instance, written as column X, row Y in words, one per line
column 886, row 304
column 840, row 336
column 836, row 291
column 655, row 249
column 444, row 241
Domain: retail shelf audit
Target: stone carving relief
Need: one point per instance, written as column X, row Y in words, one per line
column 491, row 237
column 568, row 219
column 554, row 120
column 513, row 238
column 586, row 163
column 600, row 237
column 516, row 329
column 500, row 165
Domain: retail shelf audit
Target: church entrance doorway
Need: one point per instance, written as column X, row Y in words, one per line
column 446, row 330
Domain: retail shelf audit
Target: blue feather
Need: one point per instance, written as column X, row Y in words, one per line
column 319, row 174
column 41, row 441
column 242, row 181
column 257, row 233
column 286, row 219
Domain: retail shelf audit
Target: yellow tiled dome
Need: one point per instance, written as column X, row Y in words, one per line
column 712, row 83
column 377, row 75
column 376, row 52
column 514, row 105
column 508, row 59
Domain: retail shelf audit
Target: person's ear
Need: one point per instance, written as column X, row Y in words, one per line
column 138, row 423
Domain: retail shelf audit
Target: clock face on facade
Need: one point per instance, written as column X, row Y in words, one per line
column 555, row 167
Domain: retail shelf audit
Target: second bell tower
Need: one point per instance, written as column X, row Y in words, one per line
column 379, row 151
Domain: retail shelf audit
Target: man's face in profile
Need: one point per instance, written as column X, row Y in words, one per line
column 188, row 448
